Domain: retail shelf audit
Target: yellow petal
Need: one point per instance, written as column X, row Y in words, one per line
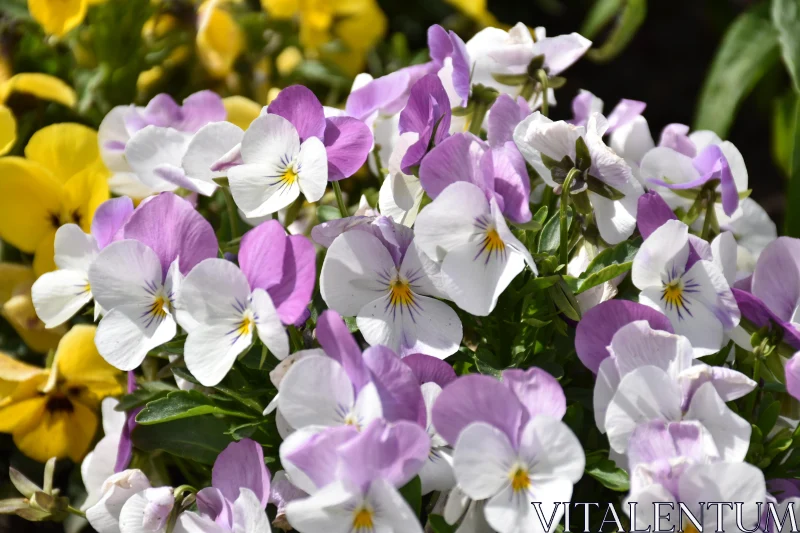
column 30, row 203
column 57, row 17
column 241, row 111
column 8, row 130
column 19, row 312
column 79, row 363
column 43, row 86
column 22, row 414
column 59, row 434
column 359, row 32
column 84, row 193
column 81, row 427
column 13, row 279
column 281, row 9
column 219, row 39
column 44, row 256
column 13, row 372
column 64, row 149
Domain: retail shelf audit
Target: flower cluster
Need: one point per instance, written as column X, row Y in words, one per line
column 420, row 361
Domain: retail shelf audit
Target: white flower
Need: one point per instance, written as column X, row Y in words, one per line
column 401, row 194
column 99, row 464
column 437, row 473
column 117, row 490
column 248, row 517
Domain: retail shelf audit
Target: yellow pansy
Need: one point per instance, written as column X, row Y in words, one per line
column 53, row 412
column 42, row 86
column 476, row 10
column 60, row 180
column 17, row 308
column 57, row 17
column 241, row 110
column 219, row 39
column 357, row 24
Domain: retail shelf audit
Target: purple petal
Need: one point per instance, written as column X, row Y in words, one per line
column 755, row 311
column 340, row 345
column 652, row 213
column 439, row 44
column 676, row 136
column 173, row 229
column 398, row 386
column 241, row 465
column 317, row 457
column 699, row 250
column 161, row 111
column 776, row 280
column 429, row 369
column 624, row 112
column 347, row 143
column 292, row 294
column 109, row 217
column 783, row 489
column 712, row 163
column 298, row 105
column 657, row 444
column 443, row 45
column 583, row 105
column 262, row 255
column 457, row 158
column 199, row 109
column 600, row 323
column 477, row 398
column 396, row 237
column 539, row 392
column 504, row 115
column 283, row 492
column 511, row 181
column 211, row 503
column 324, row 234
column 428, row 109
column 395, row 453
column 378, row 94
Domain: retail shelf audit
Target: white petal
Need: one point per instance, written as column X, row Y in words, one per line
column 667, row 165
column 391, row 509
column 604, row 388
column 616, row 219
column 324, row 512
column 357, row 270
column 74, row 249
column 724, row 248
column 312, row 169
column 58, row 295
column 714, row 292
column 537, row 135
column 666, row 249
column 152, row 147
column 423, row 274
column 316, row 391
column 259, row 191
column 513, row 512
column 645, row 498
column 437, row 472
column 400, row 198
column 271, row 140
column 736, row 163
column 269, row 326
column 208, row 145
column 98, row 466
column 113, row 421
column 449, row 221
column 368, row 405
column 127, row 333
column 632, row 140
column 146, row 511
column 645, row 394
column 112, row 130
column 104, row 515
column 214, row 291
column 636, row 345
column 190, row 522
column 554, row 450
column 211, row 350
column 122, row 273
column 248, row 514
column 482, row 460
column 731, row 433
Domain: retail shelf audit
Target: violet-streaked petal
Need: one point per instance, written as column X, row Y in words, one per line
column 348, row 142
column 340, row 345
column 676, row 136
column 239, row 465
column 712, row 163
column 298, row 105
column 397, row 385
column 477, row 398
column 292, row 294
column 539, row 392
column 200, row 109
column 652, row 213
column 429, row 369
column 755, row 311
column 457, row 158
column 600, row 323
column 428, row 109
column 505, row 114
column 172, row 228
column 511, row 182
column 109, row 218
column 261, row 255
column 378, row 94
column 624, row 112
column 395, row 453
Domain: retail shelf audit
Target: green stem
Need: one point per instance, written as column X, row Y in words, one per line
column 564, row 237
column 233, row 216
column 478, row 114
column 542, row 75
column 710, row 215
column 337, row 190
column 77, row 512
column 527, row 90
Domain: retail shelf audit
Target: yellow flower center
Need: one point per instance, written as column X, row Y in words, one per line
column 289, row 176
column 362, row 519
column 245, row 326
column 520, row 480
column 351, row 420
column 491, row 244
column 400, row 293
column 673, row 293
column 157, row 308
column 688, row 527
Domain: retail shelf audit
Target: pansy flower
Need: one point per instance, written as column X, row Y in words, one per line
column 130, row 503
column 466, row 233
column 136, row 279
column 693, row 293
column 61, row 180
column 52, row 412
column 382, row 279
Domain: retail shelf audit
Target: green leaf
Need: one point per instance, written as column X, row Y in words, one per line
column 628, row 23
column 606, row 472
column 328, row 212
column 768, row 417
column 222, row 182
column 412, row 493
column 786, row 19
column 510, row 79
column 601, row 14
column 783, row 122
column 748, row 50
column 439, row 524
column 583, row 159
column 198, row 439
column 609, row 264
column 183, row 404
column 138, row 398
column 550, row 238
column 603, row 189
